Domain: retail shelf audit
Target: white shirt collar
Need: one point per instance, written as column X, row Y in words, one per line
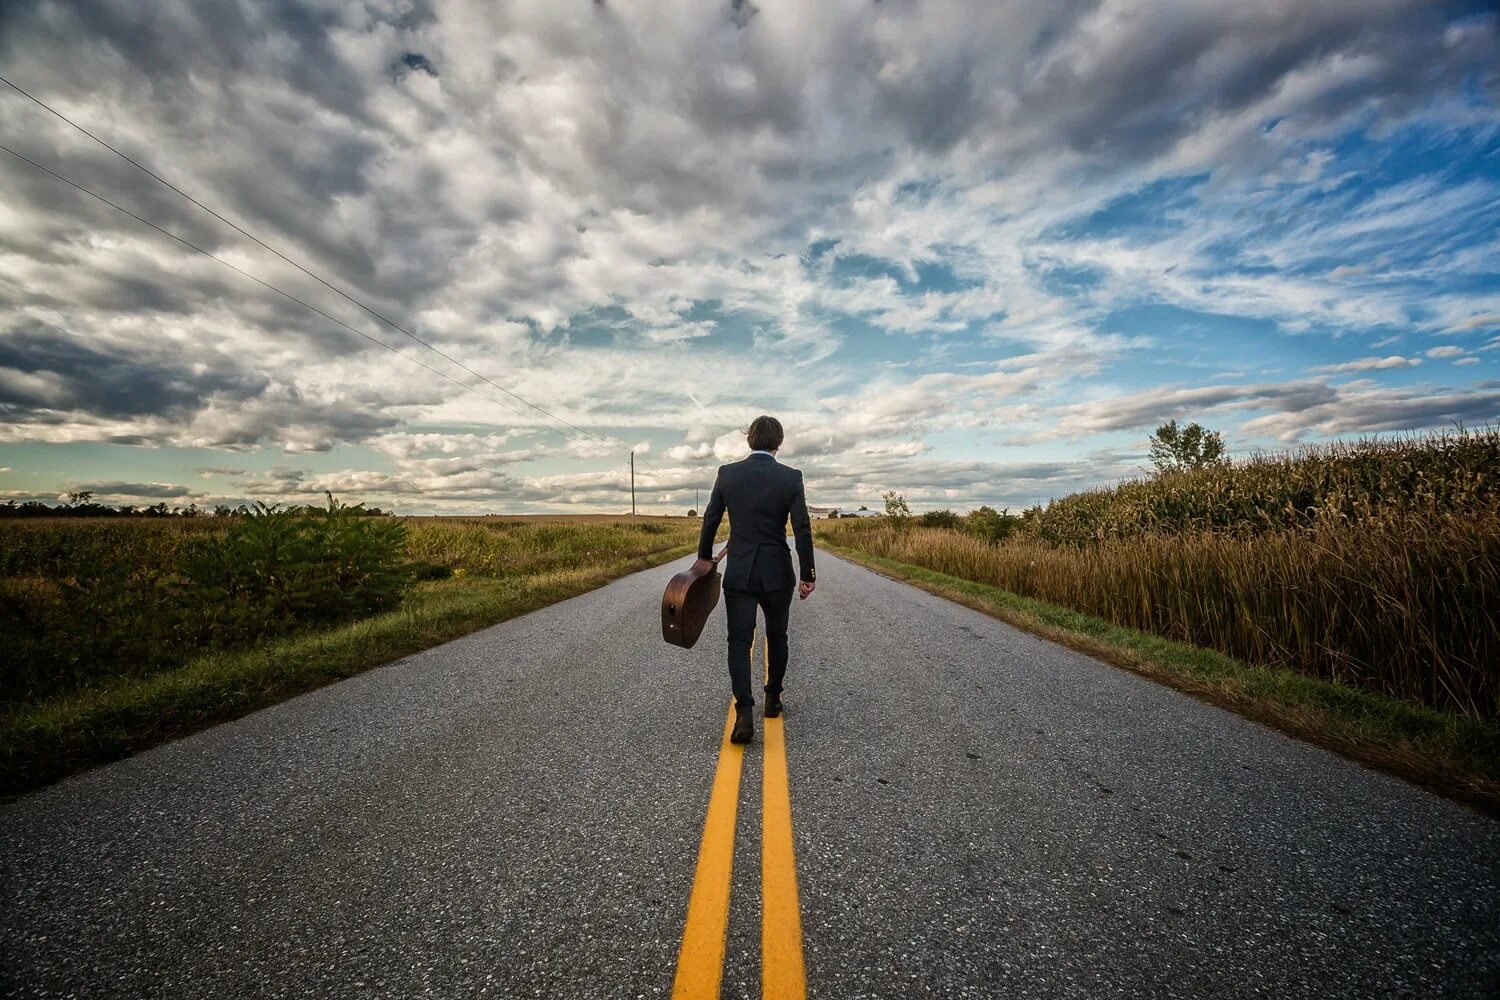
column 765, row 453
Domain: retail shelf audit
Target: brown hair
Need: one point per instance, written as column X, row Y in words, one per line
column 765, row 434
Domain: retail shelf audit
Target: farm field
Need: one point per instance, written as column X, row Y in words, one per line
column 123, row 632
column 1372, row 570
column 547, row 519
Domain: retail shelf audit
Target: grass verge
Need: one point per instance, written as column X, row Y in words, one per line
column 49, row 740
column 1454, row 755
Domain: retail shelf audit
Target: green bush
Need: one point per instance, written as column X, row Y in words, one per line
column 274, row 570
column 990, row 524
column 938, row 519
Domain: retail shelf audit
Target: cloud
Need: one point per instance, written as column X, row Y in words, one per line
column 1297, row 408
column 1152, row 407
column 1445, row 352
column 689, row 452
column 917, row 231
column 1370, row 364
column 490, row 448
column 45, row 370
column 154, row 491
column 1365, row 409
column 1484, row 321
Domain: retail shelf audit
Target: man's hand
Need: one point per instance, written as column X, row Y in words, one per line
column 803, row 589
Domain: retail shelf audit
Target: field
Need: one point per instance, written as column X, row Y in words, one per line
column 1370, row 570
column 124, row 632
column 1371, row 567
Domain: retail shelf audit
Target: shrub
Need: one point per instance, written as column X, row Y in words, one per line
column 990, row 524
column 938, row 519
column 276, row 569
column 897, row 511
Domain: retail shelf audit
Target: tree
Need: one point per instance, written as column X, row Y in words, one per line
column 80, row 497
column 895, row 506
column 692, row 513
column 1175, row 449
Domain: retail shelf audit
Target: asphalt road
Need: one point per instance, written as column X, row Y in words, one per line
column 977, row 813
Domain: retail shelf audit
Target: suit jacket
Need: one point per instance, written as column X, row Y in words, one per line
column 760, row 494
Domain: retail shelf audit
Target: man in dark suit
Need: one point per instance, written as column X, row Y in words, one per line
column 760, row 494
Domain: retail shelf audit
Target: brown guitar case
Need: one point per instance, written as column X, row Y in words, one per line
column 690, row 598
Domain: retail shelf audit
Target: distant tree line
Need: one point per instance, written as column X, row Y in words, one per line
column 82, row 504
column 1174, row 449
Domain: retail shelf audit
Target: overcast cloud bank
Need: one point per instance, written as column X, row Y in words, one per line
column 971, row 252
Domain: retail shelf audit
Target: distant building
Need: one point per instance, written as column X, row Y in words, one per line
column 822, row 511
column 863, row 513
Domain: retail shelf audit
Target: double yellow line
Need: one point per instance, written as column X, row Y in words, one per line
column 700, row 961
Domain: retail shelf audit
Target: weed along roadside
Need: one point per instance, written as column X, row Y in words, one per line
column 1347, row 594
column 131, row 632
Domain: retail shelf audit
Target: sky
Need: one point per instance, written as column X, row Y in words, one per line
column 974, row 253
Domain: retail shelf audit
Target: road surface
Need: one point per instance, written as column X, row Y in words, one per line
column 974, row 812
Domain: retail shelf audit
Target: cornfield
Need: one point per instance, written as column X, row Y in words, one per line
column 1375, row 565
column 1448, row 474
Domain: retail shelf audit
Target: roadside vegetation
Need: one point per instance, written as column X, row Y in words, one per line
column 123, row 632
column 1372, row 568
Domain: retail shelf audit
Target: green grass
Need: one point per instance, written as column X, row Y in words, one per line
column 43, row 741
column 1453, row 754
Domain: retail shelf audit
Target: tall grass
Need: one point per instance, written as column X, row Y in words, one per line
column 1375, row 565
column 87, row 602
column 494, row 547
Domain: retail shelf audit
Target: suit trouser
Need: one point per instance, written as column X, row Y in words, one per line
column 740, row 606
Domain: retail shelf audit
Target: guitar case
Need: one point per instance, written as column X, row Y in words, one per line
column 690, row 598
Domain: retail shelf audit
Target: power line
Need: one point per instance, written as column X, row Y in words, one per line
column 312, row 274
column 260, row 281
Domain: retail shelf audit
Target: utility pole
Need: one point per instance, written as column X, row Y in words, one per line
column 632, row 483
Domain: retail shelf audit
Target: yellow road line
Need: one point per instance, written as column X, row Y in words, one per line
column 782, row 973
column 700, row 960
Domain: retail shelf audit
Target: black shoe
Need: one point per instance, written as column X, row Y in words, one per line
column 773, row 706
column 744, row 724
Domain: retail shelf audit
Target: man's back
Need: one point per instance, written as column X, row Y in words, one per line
column 760, row 494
